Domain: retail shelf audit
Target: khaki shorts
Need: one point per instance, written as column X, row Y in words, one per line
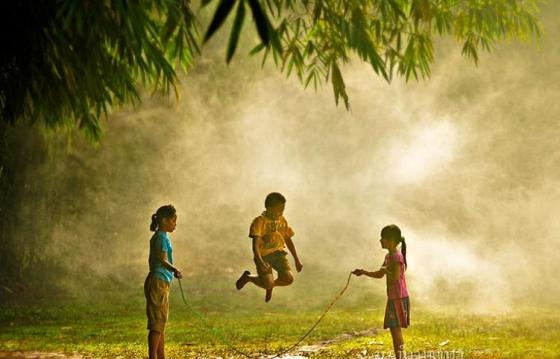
column 156, row 291
column 277, row 261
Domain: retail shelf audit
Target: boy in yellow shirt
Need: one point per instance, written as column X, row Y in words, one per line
column 271, row 233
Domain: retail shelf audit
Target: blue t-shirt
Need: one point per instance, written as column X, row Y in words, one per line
column 160, row 243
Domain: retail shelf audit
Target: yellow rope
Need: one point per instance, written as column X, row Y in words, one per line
column 224, row 340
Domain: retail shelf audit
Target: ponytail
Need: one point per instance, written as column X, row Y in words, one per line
column 162, row 212
column 155, row 223
column 403, row 251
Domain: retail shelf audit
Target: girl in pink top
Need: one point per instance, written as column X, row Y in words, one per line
column 397, row 311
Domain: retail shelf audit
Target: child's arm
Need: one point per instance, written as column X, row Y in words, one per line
column 257, row 254
column 395, row 272
column 377, row 274
column 292, row 250
column 170, row 266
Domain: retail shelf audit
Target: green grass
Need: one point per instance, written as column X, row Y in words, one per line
column 118, row 330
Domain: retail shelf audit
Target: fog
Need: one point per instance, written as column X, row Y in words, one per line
column 467, row 163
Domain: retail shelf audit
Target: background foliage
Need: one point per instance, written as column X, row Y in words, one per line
column 67, row 63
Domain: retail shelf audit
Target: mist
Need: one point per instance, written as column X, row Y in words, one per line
column 467, row 163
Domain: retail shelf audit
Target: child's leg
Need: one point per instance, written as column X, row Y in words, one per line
column 282, row 266
column 268, row 295
column 398, row 342
column 161, row 347
column 153, row 344
column 264, row 281
column 284, row 278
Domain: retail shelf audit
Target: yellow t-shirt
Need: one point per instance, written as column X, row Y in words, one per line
column 272, row 233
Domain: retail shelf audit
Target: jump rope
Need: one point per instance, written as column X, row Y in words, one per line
column 219, row 335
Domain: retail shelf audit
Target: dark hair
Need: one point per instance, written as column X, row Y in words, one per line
column 392, row 232
column 273, row 199
column 162, row 212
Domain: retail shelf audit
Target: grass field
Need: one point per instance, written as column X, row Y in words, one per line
column 117, row 329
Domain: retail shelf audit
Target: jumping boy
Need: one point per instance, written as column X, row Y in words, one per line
column 271, row 234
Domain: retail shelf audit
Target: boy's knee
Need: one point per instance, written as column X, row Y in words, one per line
column 287, row 278
column 268, row 282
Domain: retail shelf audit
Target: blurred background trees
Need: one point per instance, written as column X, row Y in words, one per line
column 68, row 65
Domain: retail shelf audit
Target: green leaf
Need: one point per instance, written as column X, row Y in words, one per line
column 469, row 50
column 317, row 10
column 169, row 28
column 397, row 9
column 222, row 12
column 236, row 30
column 310, row 77
column 257, row 49
column 263, row 25
column 338, row 86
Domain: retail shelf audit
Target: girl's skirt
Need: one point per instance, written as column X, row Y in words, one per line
column 397, row 313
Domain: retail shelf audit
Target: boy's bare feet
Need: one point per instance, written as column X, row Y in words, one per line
column 268, row 295
column 242, row 280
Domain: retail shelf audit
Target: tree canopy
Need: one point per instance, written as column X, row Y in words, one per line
column 67, row 63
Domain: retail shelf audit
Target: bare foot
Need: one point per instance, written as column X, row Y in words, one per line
column 268, row 295
column 242, row 280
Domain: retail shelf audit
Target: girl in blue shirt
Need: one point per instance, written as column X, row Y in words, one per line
column 162, row 271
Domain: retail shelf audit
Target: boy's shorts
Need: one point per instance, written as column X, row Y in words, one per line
column 277, row 260
column 156, row 291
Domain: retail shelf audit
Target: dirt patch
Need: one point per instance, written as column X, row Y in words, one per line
column 313, row 348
